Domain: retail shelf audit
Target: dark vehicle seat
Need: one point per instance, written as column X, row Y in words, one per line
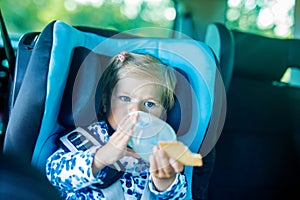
column 258, row 151
column 19, row 180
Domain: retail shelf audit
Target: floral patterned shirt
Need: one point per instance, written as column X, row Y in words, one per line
column 71, row 173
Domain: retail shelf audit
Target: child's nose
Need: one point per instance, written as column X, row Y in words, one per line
column 135, row 106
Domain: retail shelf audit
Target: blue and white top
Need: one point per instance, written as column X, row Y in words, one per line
column 71, row 173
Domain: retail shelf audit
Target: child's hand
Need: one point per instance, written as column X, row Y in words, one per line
column 116, row 146
column 163, row 169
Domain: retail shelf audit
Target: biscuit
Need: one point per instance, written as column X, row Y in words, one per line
column 180, row 152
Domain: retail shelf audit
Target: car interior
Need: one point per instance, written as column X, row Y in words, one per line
column 258, row 151
column 245, row 85
column 38, row 115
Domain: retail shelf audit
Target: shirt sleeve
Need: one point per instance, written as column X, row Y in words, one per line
column 177, row 190
column 70, row 171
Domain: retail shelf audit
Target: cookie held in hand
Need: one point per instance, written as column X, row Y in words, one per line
column 180, row 152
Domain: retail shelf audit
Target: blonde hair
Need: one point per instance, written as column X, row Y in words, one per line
column 141, row 65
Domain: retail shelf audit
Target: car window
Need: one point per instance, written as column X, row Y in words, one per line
column 120, row 15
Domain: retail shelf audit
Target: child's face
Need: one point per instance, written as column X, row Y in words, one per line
column 135, row 94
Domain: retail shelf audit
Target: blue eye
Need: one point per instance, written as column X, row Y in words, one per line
column 125, row 98
column 149, row 104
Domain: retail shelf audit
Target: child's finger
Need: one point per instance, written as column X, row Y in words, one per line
column 162, row 167
column 132, row 153
column 153, row 165
column 134, row 117
column 165, row 168
column 124, row 131
column 177, row 166
column 127, row 124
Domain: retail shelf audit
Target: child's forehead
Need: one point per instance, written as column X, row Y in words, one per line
column 134, row 84
column 140, row 80
column 137, row 72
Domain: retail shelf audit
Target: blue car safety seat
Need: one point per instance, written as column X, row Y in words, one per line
column 58, row 88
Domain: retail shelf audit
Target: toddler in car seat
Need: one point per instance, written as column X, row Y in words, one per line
column 131, row 82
